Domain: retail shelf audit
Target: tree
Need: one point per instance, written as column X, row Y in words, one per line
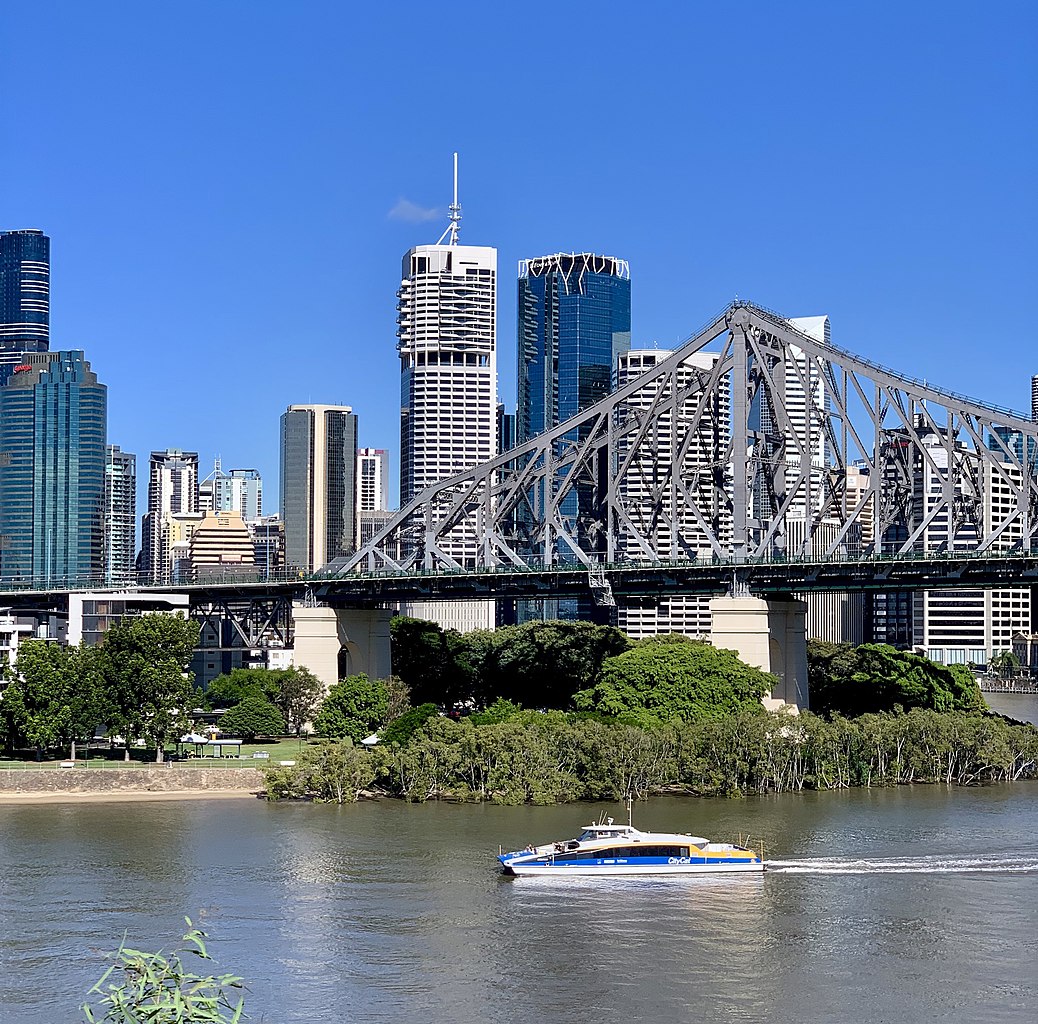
column 159, row 989
column 54, row 698
column 144, row 662
column 665, row 680
column 1004, row 664
column 354, row 707
column 543, row 664
column 402, row 728
column 298, row 696
column 421, row 658
column 873, row 678
column 254, row 716
column 240, row 683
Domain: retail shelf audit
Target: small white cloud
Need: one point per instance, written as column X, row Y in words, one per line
column 412, row 213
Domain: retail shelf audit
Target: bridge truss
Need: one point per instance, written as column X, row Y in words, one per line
column 756, row 439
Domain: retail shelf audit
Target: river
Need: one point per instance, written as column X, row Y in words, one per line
column 912, row 904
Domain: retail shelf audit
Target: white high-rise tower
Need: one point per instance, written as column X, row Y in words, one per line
column 447, row 331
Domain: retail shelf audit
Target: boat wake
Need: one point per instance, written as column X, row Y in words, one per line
column 931, row 865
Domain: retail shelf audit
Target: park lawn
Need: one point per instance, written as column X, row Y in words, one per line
column 286, row 748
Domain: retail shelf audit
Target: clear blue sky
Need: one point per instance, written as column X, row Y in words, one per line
column 223, row 184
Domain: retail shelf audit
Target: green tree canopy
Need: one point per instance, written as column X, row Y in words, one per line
column 402, row 728
column 296, row 692
column 543, row 664
column 241, row 683
column 422, row 658
column 853, row 681
column 354, row 707
column 144, row 663
column 55, row 697
column 254, row 716
column 667, row 679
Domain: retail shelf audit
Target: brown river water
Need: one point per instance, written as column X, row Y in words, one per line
column 914, row 904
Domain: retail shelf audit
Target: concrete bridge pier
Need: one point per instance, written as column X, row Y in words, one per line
column 769, row 635
column 337, row 642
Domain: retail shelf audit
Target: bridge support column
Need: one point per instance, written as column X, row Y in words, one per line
column 337, row 642
column 768, row 635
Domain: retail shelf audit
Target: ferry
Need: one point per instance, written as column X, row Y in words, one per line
column 605, row 848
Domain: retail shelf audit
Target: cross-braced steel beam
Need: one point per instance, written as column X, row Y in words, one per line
column 755, row 439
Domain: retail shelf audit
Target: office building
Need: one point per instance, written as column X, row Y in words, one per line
column 962, row 625
column 447, row 341
column 120, row 517
column 240, row 490
column 574, row 323
column 659, row 512
column 1034, row 398
column 268, row 543
column 172, row 491
column 24, row 293
column 318, row 484
column 53, row 421
column 372, row 480
column 220, row 546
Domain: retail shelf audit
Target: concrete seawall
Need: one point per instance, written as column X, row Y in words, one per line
column 54, row 781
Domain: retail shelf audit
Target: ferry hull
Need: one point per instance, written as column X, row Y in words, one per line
column 557, row 870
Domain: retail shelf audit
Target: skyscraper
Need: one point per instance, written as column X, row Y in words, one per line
column 120, row 516
column 318, row 483
column 660, row 512
column 24, row 292
column 574, row 322
column 372, row 479
column 1034, row 397
column 447, row 340
column 172, row 491
column 52, row 478
column 240, row 490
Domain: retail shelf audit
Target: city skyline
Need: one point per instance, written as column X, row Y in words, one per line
column 874, row 199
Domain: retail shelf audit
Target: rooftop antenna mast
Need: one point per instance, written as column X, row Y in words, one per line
column 451, row 234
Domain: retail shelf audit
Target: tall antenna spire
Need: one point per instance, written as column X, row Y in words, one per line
column 451, row 234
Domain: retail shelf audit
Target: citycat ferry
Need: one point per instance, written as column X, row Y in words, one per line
column 608, row 849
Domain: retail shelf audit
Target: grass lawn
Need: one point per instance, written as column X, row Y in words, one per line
column 284, row 749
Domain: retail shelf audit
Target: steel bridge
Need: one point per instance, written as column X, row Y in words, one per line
column 780, row 456
column 756, row 456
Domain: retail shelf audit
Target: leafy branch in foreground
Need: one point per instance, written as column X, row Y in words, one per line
column 149, row 988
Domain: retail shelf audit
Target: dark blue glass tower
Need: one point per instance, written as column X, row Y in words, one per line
column 574, row 317
column 52, row 477
column 24, row 291
column 574, row 321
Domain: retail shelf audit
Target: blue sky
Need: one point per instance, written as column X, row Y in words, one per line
column 229, row 186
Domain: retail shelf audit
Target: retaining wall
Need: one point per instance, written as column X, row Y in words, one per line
column 150, row 779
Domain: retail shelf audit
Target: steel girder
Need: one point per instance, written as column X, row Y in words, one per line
column 740, row 456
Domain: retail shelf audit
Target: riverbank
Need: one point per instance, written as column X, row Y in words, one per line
column 45, row 785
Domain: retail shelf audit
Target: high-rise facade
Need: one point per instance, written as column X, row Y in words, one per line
column 447, row 342
column 53, row 424
column 1034, row 397
column 574, row 323
column 172, row 491
column 372, row 479
column 239, row 490
column 318, row 484
column 120, row 516
column 662, row 515
column 24, row 292
column 574, row 317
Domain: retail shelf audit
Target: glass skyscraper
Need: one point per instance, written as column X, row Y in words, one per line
column 52, row 476
column 318, row 483
column 574, row 323
column 24, row 292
